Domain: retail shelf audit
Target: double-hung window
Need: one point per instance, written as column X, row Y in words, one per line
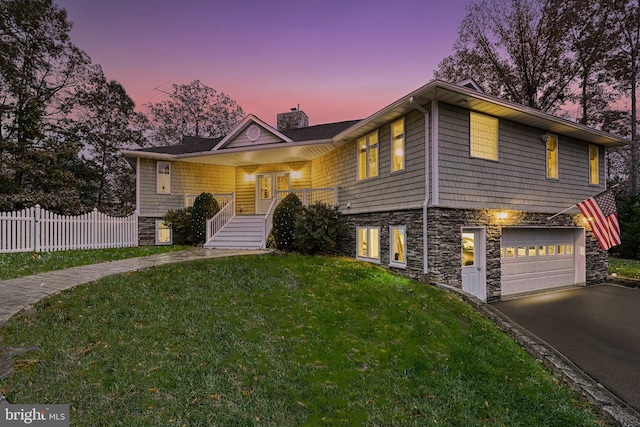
column 368, row 156
column 398, row 240
column 368, row 243
column 397, row 145
column 163, row 178
column 594, row 169
column 552, row 156
column 483, row 136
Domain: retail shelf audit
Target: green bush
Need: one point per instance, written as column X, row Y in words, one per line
column 629, row 219
column 180, row 222
column 284, row 218
column 318, row 228
column 204, row 208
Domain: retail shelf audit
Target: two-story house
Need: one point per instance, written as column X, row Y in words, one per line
column 447, row 184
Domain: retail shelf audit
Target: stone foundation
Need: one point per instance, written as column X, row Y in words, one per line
column 445, row 246
column 147, row 231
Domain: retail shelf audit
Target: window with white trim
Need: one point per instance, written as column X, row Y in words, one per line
column 397, row 145
column 594, row 169
column 368, row 243
column 398, row 241
column 552, row 156
column 163, row 233
column 163, row 177
column 483, row 135
column 368, row 156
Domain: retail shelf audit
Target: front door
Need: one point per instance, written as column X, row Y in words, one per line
column 473, row 263
column 266, row 186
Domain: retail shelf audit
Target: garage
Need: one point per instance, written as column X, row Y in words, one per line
column 535, row 259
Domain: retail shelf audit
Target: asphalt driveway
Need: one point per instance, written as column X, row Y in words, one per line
column 597, row 328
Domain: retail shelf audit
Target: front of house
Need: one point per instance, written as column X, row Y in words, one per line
column 447, row 184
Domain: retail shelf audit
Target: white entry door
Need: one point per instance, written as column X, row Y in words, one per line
column 473, row 263
column 266, row 186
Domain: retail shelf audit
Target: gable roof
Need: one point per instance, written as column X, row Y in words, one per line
column 300, row 144
column 438, row 90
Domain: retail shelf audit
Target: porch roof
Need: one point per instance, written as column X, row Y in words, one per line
column 306, row 144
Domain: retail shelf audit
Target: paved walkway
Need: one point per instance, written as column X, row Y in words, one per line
column 17, row 294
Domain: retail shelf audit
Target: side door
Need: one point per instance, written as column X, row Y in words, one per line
column 474, row 274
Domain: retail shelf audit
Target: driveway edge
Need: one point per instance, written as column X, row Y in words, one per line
column 609, row 405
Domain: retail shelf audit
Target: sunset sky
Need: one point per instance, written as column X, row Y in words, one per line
column 338, row 59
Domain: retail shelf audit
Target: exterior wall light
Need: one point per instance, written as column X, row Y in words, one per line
column 249, row 177
column 296, row 174
column 502, row 215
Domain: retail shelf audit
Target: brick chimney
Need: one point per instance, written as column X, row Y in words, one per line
column 294, row 119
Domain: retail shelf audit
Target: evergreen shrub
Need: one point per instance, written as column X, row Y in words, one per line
column 284, row 218
column 180, row 222
column 318, row 228
column 204, row 208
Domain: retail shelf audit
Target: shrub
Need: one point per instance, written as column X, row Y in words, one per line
column 180, row 222
column 629, row 219
column 204, row 208
column 318, row 228
column 284, row 218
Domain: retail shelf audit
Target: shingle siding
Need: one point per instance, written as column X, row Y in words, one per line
column 518, row 179
column 388, row 191
column 186, row 178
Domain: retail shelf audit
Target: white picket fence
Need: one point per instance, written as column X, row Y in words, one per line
column 38, row 230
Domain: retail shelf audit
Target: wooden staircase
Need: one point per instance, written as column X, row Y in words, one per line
column 242, row 232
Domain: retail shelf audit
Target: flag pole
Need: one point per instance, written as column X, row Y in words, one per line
column 571, row 207
column 561, row 212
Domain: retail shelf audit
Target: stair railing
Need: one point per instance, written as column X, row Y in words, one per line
column 267, row 222
column 222, row 218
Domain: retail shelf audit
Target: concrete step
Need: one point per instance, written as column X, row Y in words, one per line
column 242, row 232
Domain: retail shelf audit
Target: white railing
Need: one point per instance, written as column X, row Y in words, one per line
column 309, row 196
column 222, row 218
column 38, row 230
column 222, row 198
column 267, row 222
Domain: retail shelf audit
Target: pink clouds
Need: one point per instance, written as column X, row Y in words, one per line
column 338, row 60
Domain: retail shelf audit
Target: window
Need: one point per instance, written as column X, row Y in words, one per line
column 163, row 233
column 163, row 178
column 398, row 241
column 594, row 170
column 397, row 145
column 552, row 156
column 484, row 136
column 368, row 156
column 368, row 241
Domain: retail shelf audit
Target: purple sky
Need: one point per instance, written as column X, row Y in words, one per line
column 338, row 59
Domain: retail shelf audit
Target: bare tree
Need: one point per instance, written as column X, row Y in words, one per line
column 193, row 109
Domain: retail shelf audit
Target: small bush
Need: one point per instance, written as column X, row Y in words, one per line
column 317, row 229
column 284, row 218
column 180, row 222
column 204, row 208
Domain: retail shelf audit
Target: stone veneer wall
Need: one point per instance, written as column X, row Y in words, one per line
column 147, row 231
column 412, row 219
column 445, row 246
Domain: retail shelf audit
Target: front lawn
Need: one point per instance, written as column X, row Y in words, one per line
column 629, row 268
column 278, row 341
column 23, row 264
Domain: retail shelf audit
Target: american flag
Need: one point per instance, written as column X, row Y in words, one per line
column 601, row 213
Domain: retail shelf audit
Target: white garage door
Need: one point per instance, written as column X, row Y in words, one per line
column 534, row 259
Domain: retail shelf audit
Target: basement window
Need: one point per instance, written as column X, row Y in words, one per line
column 163, row 233
column 368, row 243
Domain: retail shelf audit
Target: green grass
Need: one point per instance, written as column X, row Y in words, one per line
column 23, row 264
column 629, row 268
column 278, row 341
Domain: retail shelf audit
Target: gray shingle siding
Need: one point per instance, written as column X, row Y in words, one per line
column 518, row 179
